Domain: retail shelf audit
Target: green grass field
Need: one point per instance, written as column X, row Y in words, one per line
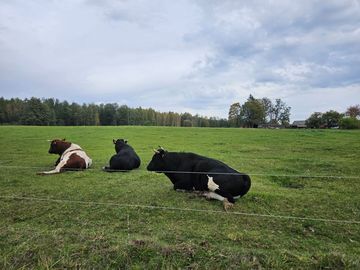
column 98, row 220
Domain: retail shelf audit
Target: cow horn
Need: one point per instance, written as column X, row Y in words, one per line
column 161, row 148
column 49, row 140
column 156, row 151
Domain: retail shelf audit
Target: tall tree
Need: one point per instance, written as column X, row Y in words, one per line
column 252, row 113
column 268, row 108
column 122, row 115
column 50, row 103
column 63, row 113
column 2, row 110
column 35, row 113
column 331, row 118
column 280, row 113
column 353, row 111
column 186, row 120
column 234, row 115
column 315, row 120
column 108, row 114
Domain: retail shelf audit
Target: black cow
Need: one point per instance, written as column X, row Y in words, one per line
column 201, row 174
column 125, row 158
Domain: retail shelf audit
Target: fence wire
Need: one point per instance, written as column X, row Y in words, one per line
column 166, row 208
column 191, row 172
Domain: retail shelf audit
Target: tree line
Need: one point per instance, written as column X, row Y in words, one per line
column 52, row 112
column 334, row 119
column 251, row 114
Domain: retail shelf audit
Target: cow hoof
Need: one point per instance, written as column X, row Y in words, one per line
column 227, row 205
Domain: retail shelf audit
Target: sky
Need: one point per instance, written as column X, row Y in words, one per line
column 196, row 56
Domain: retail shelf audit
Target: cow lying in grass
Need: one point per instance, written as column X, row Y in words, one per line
column 191, row 172
column 72, row 157
column 125, row 159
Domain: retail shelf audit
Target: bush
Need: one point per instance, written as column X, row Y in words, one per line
column 349, row 123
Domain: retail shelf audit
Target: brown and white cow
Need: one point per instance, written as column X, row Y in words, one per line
column 72, row 156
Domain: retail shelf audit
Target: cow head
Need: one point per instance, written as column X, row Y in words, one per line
column 157, row 162
column 58, row 146
column 119, row 143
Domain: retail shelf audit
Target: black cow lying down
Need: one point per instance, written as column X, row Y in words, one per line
column 125, row 158
column 213, row 185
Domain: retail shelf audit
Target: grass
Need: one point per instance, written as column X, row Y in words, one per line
column 51, row 234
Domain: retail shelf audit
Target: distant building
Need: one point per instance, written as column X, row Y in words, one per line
column 299, row 124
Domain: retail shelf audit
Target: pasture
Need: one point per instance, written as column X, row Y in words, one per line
column 135, row 220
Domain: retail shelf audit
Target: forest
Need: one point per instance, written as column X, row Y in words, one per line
column 252, row 113
column 52, row 112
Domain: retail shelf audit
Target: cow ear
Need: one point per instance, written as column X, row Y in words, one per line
column 64, row 140
column 114, row 141
column 125, row 141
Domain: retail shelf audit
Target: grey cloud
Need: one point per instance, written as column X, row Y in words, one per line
column 312, row 26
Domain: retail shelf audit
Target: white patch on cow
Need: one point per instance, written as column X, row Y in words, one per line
column 83, row 155
column 213, row 195
column 211, row 184
column 73, row 149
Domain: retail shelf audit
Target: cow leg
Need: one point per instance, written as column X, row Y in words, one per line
column 57, row 169
column 57, row 161
column 61, row 166
column 214, row 195
column 218, row 194
column 228, row 201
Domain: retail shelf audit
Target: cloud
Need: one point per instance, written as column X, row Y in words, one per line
column 197, row 56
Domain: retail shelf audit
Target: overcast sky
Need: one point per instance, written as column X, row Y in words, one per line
column 196, row 56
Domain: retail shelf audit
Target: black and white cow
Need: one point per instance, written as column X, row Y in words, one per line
column 72, row 156
column 125, row 158
column 213, row 178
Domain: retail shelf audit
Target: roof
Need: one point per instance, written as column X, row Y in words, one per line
column 300, row 123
